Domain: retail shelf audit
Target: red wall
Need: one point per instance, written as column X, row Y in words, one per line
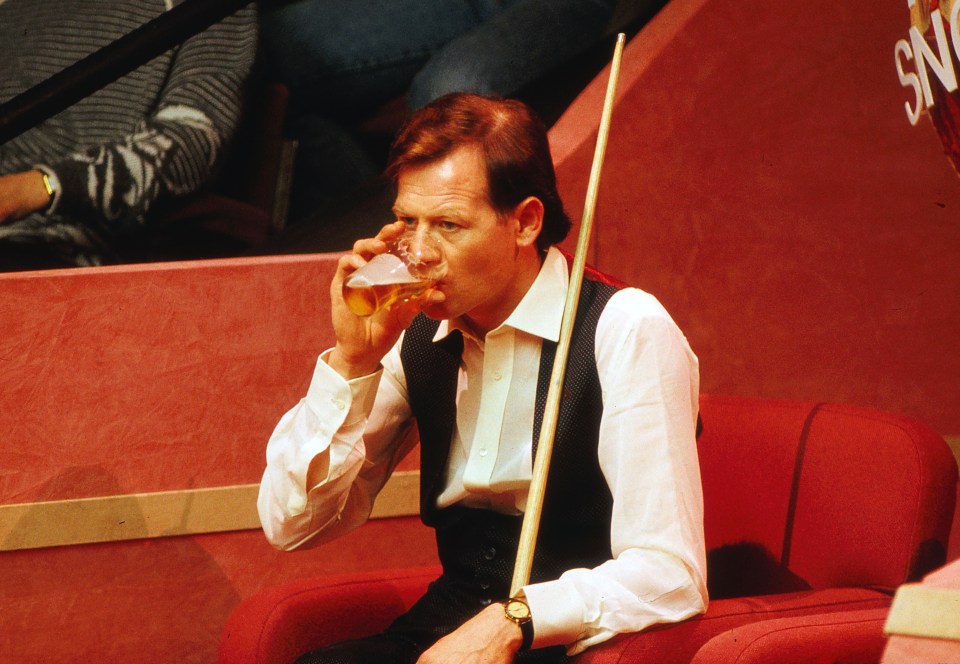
column 762, row 179
column 166, row 600
column 152, row 378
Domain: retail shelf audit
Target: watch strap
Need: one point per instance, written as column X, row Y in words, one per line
column 526, row 633
column 524, row 622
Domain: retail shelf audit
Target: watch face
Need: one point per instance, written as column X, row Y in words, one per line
column 517, row 610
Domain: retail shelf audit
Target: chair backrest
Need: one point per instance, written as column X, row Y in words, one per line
column 833, row 495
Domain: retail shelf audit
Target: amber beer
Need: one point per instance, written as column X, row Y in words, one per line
column 366, row 300
column 380, row 283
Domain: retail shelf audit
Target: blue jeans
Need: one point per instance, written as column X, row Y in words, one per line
column 343, row 57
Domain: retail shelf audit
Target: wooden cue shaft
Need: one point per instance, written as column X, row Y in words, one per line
column 541, row 466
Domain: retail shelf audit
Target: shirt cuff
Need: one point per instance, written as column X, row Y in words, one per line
column 340, row 401
column 557, row 611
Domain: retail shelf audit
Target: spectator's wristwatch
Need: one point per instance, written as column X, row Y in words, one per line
column 518, row 611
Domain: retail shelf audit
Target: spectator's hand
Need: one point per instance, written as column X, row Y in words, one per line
column 487, row 638
column 21, row 194
column 363, row 341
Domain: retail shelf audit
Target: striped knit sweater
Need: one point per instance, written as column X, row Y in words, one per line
column 156, row 132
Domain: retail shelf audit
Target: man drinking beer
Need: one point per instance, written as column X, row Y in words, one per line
column 620, row 544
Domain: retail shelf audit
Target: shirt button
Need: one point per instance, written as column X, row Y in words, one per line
column 483, row 451
column 490, row 553
column 497, row 374
column 339, row 404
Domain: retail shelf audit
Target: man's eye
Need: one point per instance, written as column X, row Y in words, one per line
column 448, row 225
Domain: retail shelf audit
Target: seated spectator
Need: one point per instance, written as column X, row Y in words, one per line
column 343, row 59
column 73, row 187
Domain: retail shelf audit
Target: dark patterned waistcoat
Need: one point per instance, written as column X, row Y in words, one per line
column 479, row 546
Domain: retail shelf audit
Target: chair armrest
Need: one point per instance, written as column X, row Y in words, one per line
column 844, row 637
column 278, row 624
column 678, row 643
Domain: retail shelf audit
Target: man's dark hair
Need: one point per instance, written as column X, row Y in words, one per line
column 514, row 143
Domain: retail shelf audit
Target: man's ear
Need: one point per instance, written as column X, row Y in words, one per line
column 529, row 219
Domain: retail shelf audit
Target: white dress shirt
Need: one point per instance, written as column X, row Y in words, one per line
column 647, row 451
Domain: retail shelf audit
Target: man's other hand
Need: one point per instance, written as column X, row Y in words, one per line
column 487, row 638
column 22, row 194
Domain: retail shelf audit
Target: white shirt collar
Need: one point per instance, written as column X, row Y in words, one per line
column 540, row 312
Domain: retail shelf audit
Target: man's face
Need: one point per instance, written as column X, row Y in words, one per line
column 487, row 254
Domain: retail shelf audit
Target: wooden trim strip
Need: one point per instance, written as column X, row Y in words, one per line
column 163, row 514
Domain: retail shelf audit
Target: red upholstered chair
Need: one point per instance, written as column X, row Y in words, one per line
column 814, row 514
column 281, row 623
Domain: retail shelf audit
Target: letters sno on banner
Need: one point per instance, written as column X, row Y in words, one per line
column 927, row 65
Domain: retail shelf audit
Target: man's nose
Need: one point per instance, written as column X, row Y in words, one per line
column 424, row 243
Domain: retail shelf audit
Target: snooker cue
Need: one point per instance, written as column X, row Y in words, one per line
column 541, row 466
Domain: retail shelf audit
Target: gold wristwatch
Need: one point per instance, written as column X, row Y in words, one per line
column 518, row 611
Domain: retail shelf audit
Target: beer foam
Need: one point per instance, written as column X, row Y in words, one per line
column 381, row 270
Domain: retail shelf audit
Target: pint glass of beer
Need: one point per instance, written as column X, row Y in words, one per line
column 413, row 264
